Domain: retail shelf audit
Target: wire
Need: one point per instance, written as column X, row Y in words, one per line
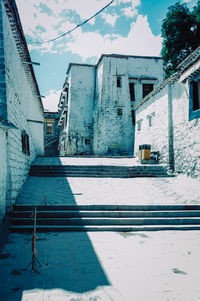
column 71, row 30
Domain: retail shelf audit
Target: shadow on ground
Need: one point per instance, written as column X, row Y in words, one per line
column 68, row 264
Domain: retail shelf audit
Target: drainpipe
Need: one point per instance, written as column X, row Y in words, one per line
column 170, row 129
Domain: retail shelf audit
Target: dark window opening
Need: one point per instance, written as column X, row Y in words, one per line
column 119, row 111
column 119, row 82
column 49, row 128
column 195, row 95
column 25, row 143
column 133, row 117
column 87, row 141
column 132, row 91
column 147, row 88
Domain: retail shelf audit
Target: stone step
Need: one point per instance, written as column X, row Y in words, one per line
column 96, row 171
column 108, row 221
column 102, row 217
column 97, row 213
column 104, row 207
column 66, row 228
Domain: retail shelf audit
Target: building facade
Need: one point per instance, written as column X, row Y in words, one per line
column 51, row 134
column 21, row 110
column 96, row 104
column 169, row 118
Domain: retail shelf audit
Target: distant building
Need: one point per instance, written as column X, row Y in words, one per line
column 169, row 118
column 96, row 103
column 21, row 109
column 51, row 134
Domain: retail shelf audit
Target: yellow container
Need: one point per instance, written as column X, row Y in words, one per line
column 146, row 152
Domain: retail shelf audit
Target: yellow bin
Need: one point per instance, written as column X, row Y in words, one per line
column 146, row 152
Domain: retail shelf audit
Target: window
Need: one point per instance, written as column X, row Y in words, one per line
column 194, row 100
column 119, row 82
column 87, row 141
column 119, row 112
column 195, row 86
column 133, row 117
column 147, row 88
column 132, row 91
column 49, row 128
column 139, row 125
column 25, row 143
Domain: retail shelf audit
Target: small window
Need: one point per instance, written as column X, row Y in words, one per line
column 25, row 143
column 139, row 125
column 49, row 128
column 133, row 117
column 150, row 120
column 119, row 83
column 87, row 141
column 147, row 88
column 132, row 91
column 195, row 85
column 119, row 112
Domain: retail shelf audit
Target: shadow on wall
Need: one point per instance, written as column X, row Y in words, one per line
column 69, row 262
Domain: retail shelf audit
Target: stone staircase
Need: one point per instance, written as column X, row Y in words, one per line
column 98, row 171
column 121, row 218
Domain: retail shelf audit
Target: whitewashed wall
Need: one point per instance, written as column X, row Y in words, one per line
column 80, row 110
column 156, row 132
column 22, row 106
column 111, row 130
column 3, row 172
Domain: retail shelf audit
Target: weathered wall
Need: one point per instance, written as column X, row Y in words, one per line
column 152, row 124
column 171, row 132
column 113, row 133
column 186, row 133
column 3, row 172
column 80, row 110
column 23, row 109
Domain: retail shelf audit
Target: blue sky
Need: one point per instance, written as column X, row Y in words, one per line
column 126, row 27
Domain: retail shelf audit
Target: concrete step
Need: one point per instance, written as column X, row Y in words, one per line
column 102, row 217
column 109, row 221
column 61, row 228
column 105, row 207
column 90, row 213
column 96, row 171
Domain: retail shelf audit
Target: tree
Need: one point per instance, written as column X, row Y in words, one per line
column 196, row 19
column 180, row 32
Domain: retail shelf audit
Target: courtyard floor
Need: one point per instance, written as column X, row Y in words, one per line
column 101, row 266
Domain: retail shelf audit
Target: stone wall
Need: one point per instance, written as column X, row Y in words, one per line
column 113, row 132
column 152, row 124
column 3, row 172
column 186, row 133
column 80, row 110
column 171, row 132
column 24, row 110
column 113, row 125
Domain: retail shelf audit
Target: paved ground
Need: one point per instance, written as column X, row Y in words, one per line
column 145, row 266
column 61, row 190
column 101, row 266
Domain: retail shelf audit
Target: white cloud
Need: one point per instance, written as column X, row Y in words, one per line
column 140, row 41
column 110, row 19
column 49, row 18
column 50, row 102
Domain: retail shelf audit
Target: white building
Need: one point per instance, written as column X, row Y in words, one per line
column 21, row 110
column 169, row 118
column 96, row 103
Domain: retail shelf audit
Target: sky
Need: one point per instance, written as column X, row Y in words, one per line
column 131, row 27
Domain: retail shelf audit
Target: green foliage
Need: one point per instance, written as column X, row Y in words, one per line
column 181, row 34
